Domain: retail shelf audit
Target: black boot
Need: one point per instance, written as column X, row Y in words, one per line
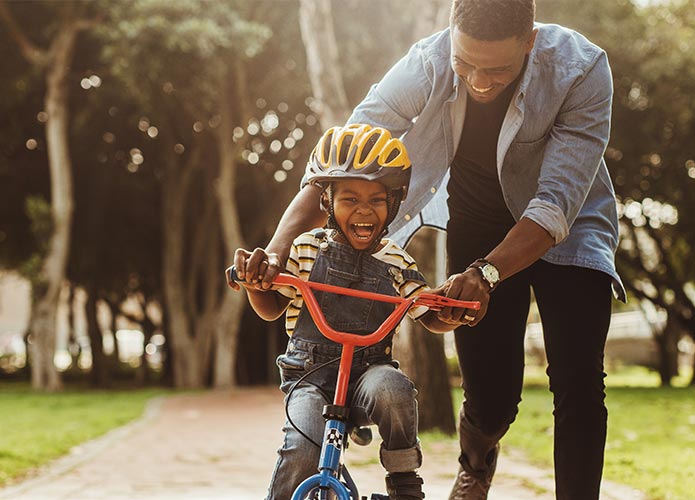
column 478, row 460
column 474, row 484
column 404, row 486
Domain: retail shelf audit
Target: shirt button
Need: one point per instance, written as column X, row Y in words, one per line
column 387, row 350
column 407, row 217
column 433, row 190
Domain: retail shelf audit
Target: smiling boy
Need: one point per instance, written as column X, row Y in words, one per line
column 364, row 176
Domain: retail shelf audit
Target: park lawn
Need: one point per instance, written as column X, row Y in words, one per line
column 37, row 427
column 651, row 434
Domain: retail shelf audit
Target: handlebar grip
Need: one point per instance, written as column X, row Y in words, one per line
column 232, row 275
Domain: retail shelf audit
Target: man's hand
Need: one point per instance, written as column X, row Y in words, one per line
column 257, row 268
column 468, row 285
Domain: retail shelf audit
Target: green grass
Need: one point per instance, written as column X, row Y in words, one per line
column 651, row 432
column 37, row 427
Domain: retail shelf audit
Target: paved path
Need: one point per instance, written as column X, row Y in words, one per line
column 221, row 445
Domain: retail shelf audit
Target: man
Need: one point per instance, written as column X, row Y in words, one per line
column 512, row 118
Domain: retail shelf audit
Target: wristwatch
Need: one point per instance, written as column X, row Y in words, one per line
column 488, row 271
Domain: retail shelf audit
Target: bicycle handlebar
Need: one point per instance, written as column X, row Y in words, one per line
column 429, row 300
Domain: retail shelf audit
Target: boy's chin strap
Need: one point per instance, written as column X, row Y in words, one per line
column 331, row 223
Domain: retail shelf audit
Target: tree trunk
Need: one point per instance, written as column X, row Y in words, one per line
column 114, row 308
column 142, row 374
column 99, row 375
column 421, row 352
column 44, row 374
column 186, row 369
column 667, row 342
column 231, row 307
column 323, row 64
column 73, row 343
column 316, row 22
column 56, row 63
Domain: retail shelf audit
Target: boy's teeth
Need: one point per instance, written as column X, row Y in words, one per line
column 363, row 231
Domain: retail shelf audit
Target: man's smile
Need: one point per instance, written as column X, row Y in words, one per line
column 483, row 90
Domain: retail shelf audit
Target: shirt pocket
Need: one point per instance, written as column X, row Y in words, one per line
column 526, row 156
column 344, row 313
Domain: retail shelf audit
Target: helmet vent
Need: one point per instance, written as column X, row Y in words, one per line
column 392, row 155
column 344, row 150
column 369, row 145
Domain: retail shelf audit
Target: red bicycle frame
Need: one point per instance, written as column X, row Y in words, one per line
column 351, row 340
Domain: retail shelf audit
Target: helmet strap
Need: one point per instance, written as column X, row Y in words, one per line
column 331, row 223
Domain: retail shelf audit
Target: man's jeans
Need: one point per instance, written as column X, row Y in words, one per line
column 575, row 308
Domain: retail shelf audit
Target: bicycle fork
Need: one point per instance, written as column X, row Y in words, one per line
column 329, row 465
column 336, row 416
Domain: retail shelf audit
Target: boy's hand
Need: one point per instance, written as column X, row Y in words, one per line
column 257, row 268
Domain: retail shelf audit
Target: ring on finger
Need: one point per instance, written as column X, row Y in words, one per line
column 468, row 317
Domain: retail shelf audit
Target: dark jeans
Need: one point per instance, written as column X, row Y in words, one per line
column 575, row 307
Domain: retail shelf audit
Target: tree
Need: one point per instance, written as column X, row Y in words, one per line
column 323, row 63
column 651, row 155
column 422, row 352
column 206, row 131
column 326, row 70
column 54, row 62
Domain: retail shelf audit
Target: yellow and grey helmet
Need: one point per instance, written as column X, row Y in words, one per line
column 360, row 152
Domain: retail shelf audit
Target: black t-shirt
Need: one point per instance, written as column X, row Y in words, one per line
column 475, row 195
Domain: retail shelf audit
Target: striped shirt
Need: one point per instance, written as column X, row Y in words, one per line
column 303, row 255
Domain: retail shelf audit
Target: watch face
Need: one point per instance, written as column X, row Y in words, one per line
column 490, row 273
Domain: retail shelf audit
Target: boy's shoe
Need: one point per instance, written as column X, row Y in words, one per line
column 404, row 486
column 474, row 487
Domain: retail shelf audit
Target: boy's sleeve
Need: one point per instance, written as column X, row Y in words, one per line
column 414, row 284
column 413, row 289
column 407, row 279
column 292, row 267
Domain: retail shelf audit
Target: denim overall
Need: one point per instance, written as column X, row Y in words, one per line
column 378, row 392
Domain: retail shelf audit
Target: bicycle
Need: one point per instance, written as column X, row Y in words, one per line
column 335, row 438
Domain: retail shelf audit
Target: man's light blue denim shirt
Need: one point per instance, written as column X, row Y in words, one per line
column 550, row 149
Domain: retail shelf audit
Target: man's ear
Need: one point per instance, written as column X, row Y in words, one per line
column 531, row 41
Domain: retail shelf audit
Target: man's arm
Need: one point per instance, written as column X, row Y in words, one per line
column 303, row 214
column 525, row 243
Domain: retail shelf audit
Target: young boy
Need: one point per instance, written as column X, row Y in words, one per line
column 364, row 173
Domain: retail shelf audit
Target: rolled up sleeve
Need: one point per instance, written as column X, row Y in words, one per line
column 550, row 217
column 574, row 152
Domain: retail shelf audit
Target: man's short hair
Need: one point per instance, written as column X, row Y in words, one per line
column 492, row 20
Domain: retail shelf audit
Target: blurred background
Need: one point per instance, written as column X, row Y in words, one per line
column 142, row 141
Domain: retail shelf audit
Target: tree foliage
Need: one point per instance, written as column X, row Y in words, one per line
column 651, row 154
column 150, row 90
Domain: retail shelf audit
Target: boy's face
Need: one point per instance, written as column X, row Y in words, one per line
column 361, row 209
